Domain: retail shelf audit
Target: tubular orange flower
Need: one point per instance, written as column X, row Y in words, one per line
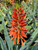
column 18, row 22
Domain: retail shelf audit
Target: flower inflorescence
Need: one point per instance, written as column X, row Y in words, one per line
column 18, row 22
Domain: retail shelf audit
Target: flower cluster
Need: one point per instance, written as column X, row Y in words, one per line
column 18, row 22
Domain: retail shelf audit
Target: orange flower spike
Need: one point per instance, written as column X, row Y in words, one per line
column 12, row 29
column 12, row 33
column 24, row 35
column 18, row 37
column 22, row 25
column 21, row 13
column 15, row 40
column 22, row 16
column 22, row 10
column 22, row 22
column 13, row 37
column 24, row 13
column 15, row 17
column 14, row 20
column 15, row 9
column 14, row 12
column 22, row 42
column 22, row 38
column 19, row 9
column 18, row 23
column 23, row 29
column 13, row 25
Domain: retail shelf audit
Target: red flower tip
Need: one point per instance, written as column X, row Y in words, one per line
column 19, row 9
column 18, row 23
column 22, row 10
column 15, row 9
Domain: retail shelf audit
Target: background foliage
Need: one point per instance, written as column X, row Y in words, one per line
column 31, row 7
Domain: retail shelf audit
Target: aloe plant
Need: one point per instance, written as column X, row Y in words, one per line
column 32, row 26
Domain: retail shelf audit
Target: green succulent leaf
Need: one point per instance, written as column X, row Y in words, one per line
column 9, row 43
column 3, row 46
